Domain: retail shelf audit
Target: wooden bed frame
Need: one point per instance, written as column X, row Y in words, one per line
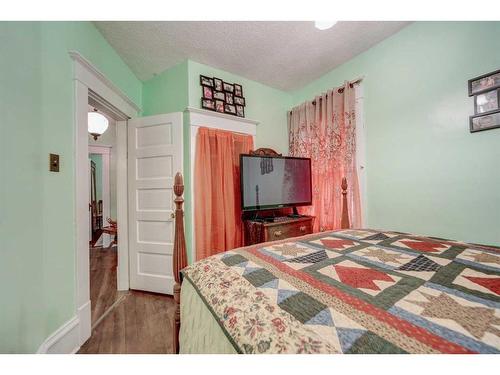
column 180, row 254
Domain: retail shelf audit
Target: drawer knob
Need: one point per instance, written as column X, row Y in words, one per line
column 277, row 233
column 303, row 228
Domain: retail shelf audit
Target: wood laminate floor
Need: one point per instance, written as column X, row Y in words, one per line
column 140, row 323
column 125, row 322
column 103, row 288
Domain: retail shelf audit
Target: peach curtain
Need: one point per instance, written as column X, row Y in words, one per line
column 217, row 197
column 326, row 133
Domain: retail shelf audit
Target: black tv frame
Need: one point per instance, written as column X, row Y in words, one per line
column 273, row 206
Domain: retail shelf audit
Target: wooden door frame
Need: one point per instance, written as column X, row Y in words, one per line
column 91, row 85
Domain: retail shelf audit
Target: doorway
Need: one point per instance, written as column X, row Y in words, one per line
column 103, row 223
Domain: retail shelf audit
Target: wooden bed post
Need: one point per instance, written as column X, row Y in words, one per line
column 179, row 256
column 344, row 223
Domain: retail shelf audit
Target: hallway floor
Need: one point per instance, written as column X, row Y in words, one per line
column 125, row 322
column 103, row 284
column 140, row 323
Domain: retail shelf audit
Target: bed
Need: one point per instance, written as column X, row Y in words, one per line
column 345, row 291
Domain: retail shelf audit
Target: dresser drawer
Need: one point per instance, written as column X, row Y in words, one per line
column 288, row 230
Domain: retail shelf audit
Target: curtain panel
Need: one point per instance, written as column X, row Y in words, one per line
column 217, row 195
column 325, row 131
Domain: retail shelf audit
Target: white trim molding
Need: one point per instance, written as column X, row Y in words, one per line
column 90, row 83
column 212, row 119
column 361, row 150
column 122, row 269
column 93, row 78
column 64, row 340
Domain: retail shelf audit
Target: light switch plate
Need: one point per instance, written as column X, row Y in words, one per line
column 54, row 162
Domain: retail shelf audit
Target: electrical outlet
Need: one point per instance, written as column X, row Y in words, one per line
column 54, row 162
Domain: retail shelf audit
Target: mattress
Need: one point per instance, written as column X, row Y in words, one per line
column 348, row 291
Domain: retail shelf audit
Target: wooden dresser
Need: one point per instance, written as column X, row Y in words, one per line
column 263, row 231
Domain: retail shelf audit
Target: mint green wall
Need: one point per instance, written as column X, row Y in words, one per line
column 22, row 321
column 58, row 123
column 166, row 92
column 425, row 172
column 179, row 87
column 37, row 90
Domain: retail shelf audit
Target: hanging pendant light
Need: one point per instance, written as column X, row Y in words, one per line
column 97, row 124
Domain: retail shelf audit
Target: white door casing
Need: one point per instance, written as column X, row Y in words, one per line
column 88, row 82
column 154, row 157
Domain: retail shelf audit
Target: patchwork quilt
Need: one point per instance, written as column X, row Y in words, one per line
column 355, row 291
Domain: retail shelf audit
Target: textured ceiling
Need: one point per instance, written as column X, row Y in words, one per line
column 284, row 55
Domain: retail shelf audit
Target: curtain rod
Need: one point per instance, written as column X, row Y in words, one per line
column 341, row 89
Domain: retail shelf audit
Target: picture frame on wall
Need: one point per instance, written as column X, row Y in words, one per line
column 229, row 108
column 206, row 81
column 484, row 83
column 228, row 87
column 208, row 104
column 487, row 101
column 239, row 101
column 219, row 95
column 218, row 84
column 207, row 92
column 240, row 111
column 482, row 122
column 219, row 106
column 238, row 90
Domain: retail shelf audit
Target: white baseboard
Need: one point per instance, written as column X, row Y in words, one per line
column 85, row 322
column 68, row 338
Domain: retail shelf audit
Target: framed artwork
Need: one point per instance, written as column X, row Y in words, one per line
column 240, row 111
column 208, row 104
column 219, row 106
column 238, row 100
column 218, row 84
column 219, row 95
column 228, row 87
column 207, row 93
column 238, row 90
column 206, row 81
column 484, row 83
column 229, row 108
column 484, row 121
column 487, row 101
column 223, row 97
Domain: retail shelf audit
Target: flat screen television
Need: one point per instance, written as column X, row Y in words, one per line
column 271, row 182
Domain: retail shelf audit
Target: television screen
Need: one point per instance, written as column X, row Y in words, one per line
column 274, row 182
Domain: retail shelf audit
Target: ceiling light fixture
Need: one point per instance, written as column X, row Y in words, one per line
column 324, row 25
column 97, row 124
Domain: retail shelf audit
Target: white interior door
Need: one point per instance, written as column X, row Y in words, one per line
column 154, row 157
